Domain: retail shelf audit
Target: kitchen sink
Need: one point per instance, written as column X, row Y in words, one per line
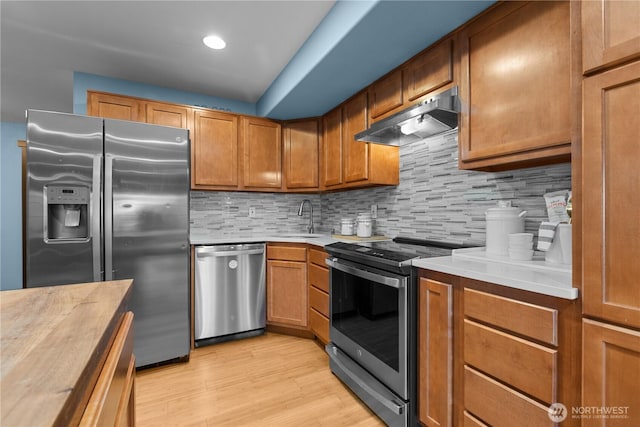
column 305, row 235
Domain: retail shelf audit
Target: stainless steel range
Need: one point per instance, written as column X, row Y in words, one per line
column 373, row 326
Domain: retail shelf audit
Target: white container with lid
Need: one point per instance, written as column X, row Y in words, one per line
column 346, row 227
column 501, row 222
column 364, row 225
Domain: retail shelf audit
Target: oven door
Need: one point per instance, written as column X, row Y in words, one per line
column 368, row 315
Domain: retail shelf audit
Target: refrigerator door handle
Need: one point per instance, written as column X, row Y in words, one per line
column 96, row 213
column 108, row 217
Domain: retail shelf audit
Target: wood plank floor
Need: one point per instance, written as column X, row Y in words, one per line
column 270, row 380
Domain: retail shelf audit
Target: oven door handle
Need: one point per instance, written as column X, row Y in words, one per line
column 385, row 280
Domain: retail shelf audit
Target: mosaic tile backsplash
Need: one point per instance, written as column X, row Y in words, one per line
column 434, row 200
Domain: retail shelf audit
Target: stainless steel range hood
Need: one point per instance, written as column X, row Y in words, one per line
column 437, row 115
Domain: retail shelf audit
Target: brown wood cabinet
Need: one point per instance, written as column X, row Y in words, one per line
column 318, row 294
column 428, row 71
column 332, row 155
column 435, row 353
column 494, row 355
column 287, row 289
column 112, row 106
column 159, row 113
column 611, row 374
column 262, row 153
column 610, row 33
column 516, row 86
column 112, row 402
column 611, row 195
column 348, row 163
column 386, row 95
column 520, row 350
column 356, row 153
column 214, row 151
column 301, row 155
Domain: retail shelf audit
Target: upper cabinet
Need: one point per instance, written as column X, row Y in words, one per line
column 516, row 86
column 413, row 82
column 262, row 153
column 331, row 159
column 301, row 155
column 347, row 163
column 115, row 106
column 610, row 33
column 214, row 151
column 177, row 116
column 356, row 153
column 428, row 71
column 386, row 95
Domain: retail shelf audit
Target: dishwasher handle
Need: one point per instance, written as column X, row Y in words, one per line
column 212, row 253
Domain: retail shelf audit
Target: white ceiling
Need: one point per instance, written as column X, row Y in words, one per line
column 155, row 42
column 160, row 43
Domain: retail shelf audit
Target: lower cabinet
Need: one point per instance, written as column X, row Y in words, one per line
column 287, row 291
column 318, row 294
column 435, row 351
column 112, row 402
column 610, row 374
column 493, row 355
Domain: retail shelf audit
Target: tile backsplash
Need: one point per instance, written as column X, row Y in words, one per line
column 435, row 200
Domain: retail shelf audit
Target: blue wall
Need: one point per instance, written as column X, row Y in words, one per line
column 11, row 205
column 83, row 82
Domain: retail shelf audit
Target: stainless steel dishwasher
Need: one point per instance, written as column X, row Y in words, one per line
column 230, row 292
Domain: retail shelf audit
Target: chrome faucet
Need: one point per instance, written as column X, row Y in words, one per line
column 310, row 226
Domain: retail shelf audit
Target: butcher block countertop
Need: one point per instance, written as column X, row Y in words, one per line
column 54, row 342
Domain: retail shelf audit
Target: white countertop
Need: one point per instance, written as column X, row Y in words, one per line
column 317, row 239
column 535, row 276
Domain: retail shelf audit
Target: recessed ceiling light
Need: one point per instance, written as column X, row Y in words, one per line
column 214, row 42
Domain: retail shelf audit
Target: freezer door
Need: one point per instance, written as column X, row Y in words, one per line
column 63, row 213
column 147, row 232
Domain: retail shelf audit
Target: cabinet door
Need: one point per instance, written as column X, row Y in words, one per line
column 332, row 148
column 429, row 70
column 114, row 107
column 435, row 353
column 301, row 152
column 610, row 33
column 611, row 195
column 356, row 153
column 261, row 144
column 515, row 86
column 287, row 293
column 159, row 113
column 611, row 373
column 214, row 152
column 385, row 95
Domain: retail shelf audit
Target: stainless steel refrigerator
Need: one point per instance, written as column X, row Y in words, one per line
column 109, row 200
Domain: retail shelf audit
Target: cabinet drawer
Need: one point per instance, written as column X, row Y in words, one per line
column 525, row 365
column 319, row 277
column 319, row 300
column 526, row 319
column 498, row 405
column 287, row 253
column 471, row 421
column 317, row 257
column 319, row 325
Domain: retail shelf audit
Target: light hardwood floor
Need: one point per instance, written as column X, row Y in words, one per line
column 270, row 380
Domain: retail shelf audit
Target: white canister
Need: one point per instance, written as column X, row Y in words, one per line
column 501, row 222
column 346, row 227
column 364, row 225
